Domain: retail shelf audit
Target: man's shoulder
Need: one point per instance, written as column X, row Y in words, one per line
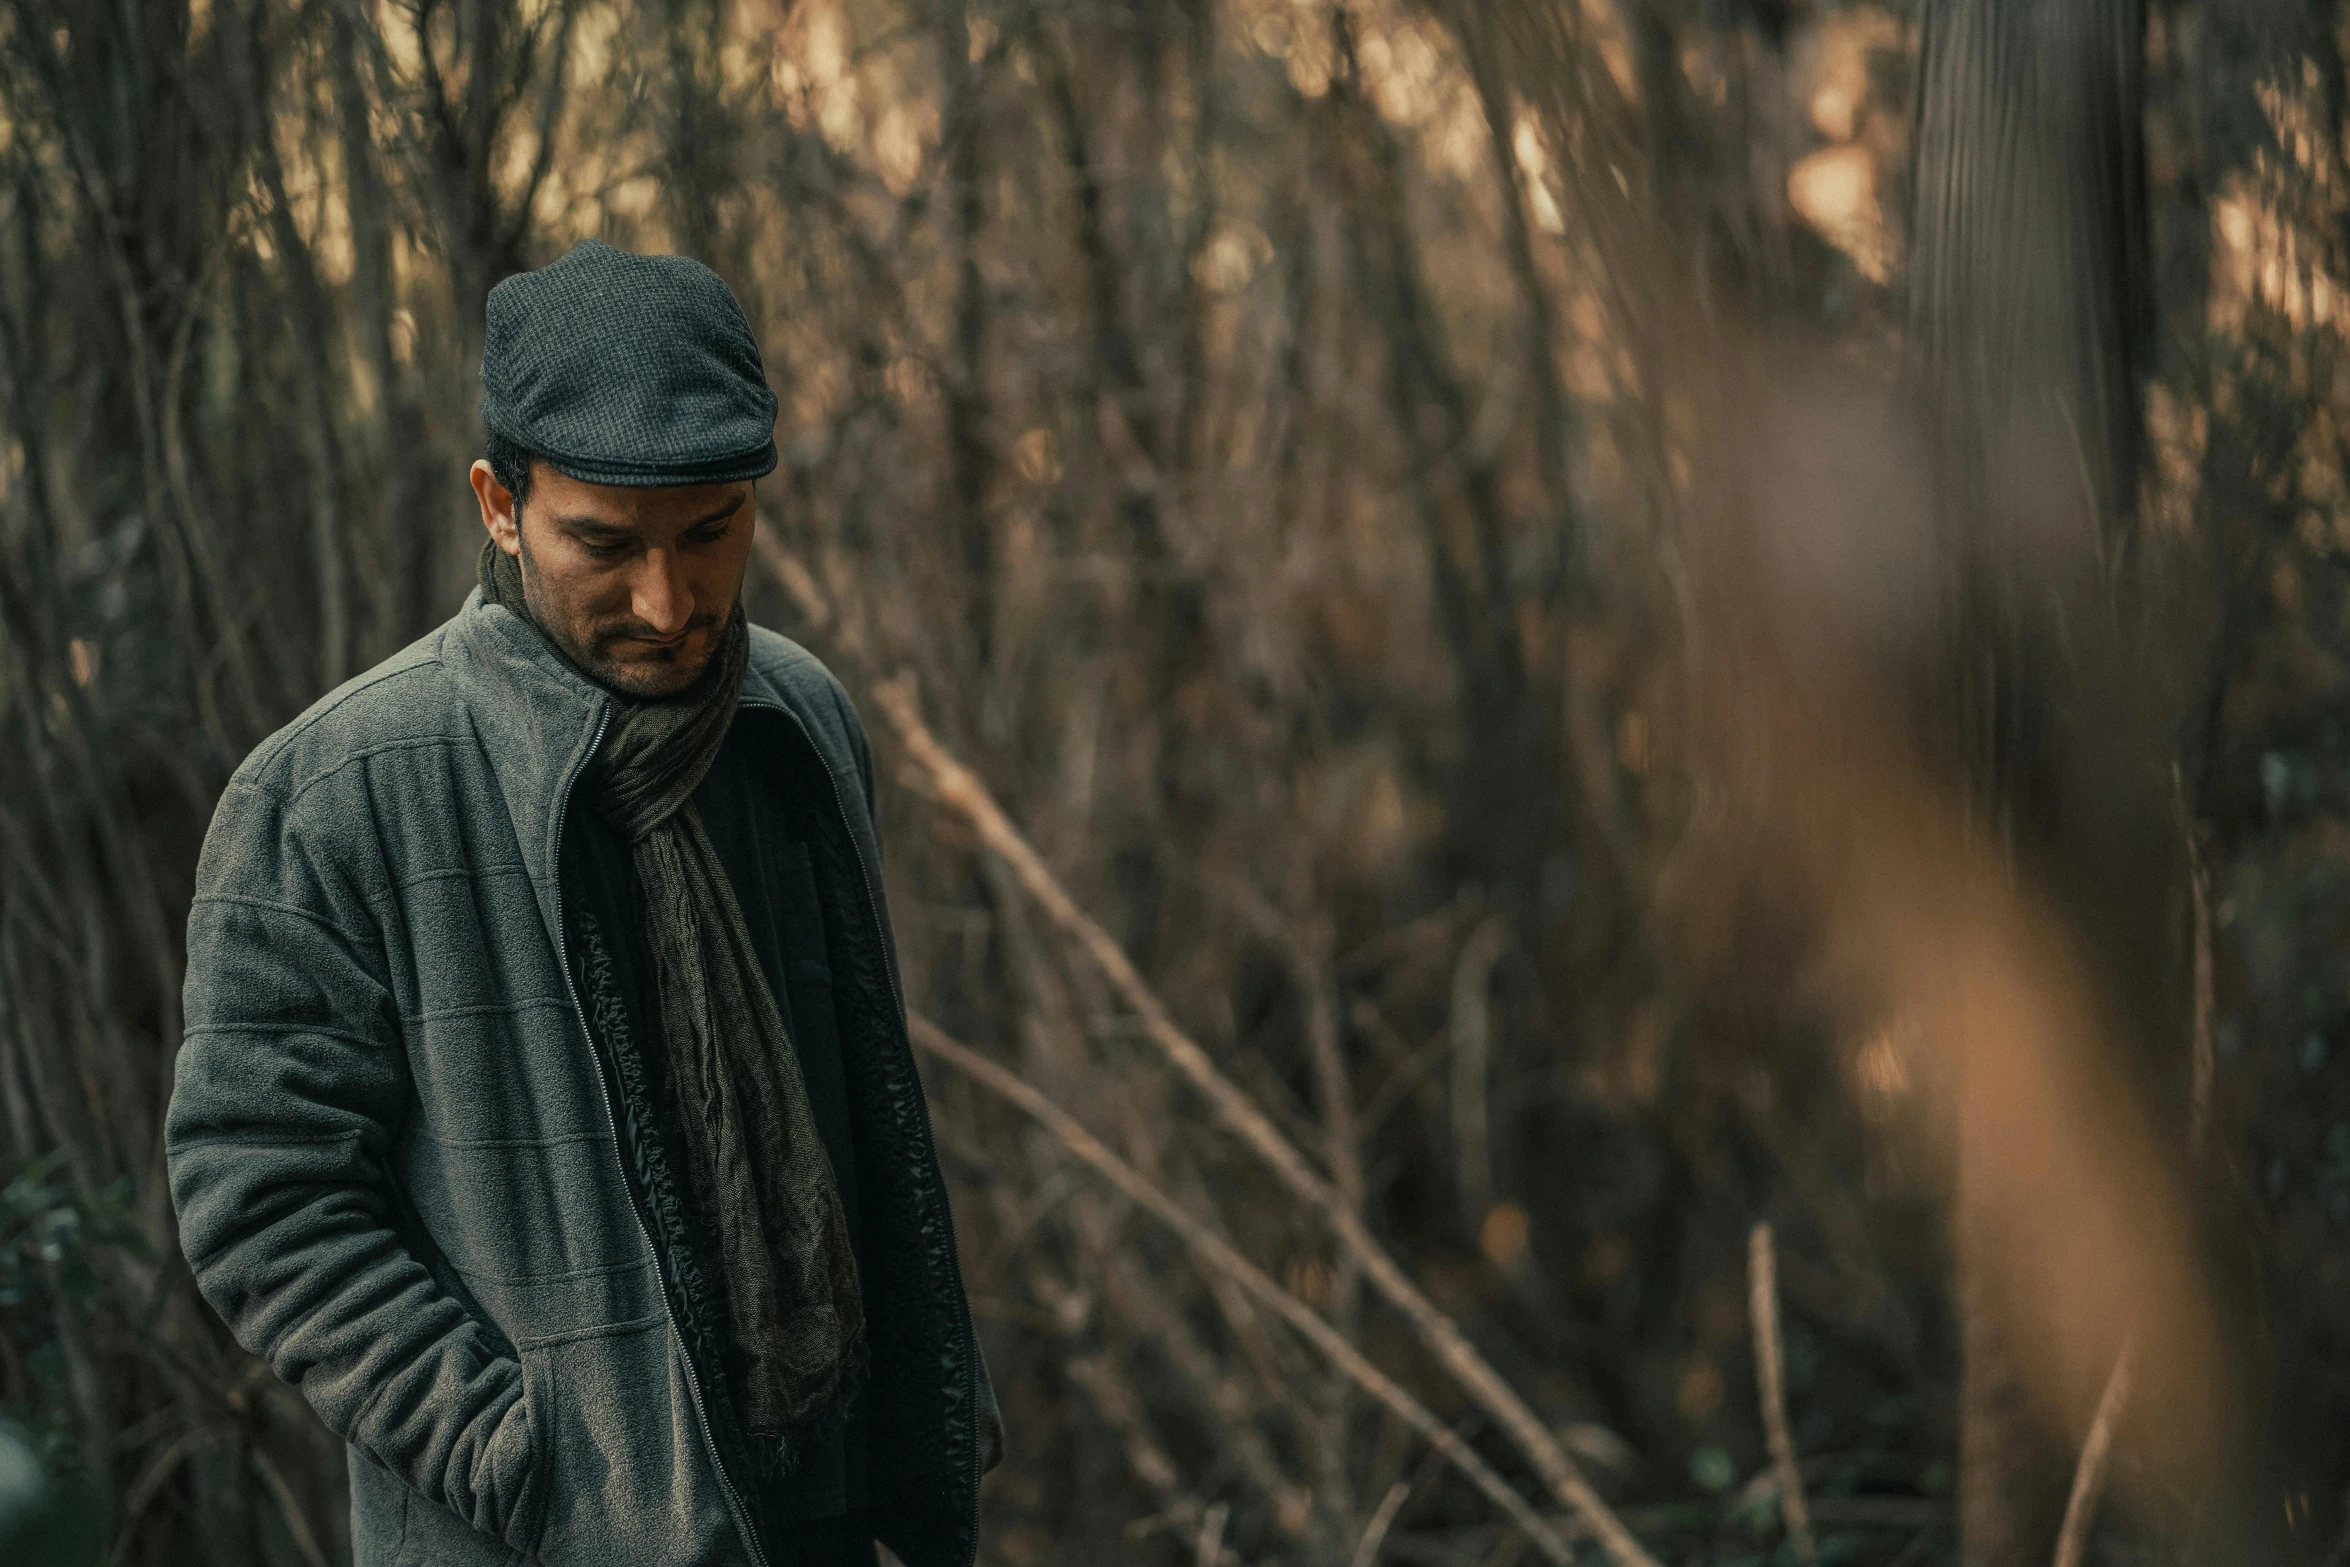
column 787, row 665
column 792, row 675
column 406, row 701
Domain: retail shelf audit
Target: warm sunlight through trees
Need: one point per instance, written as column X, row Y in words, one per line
column 1506, row 638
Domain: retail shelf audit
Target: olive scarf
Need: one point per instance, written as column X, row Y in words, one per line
column 752, row 1149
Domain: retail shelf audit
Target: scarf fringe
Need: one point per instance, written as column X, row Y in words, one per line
column 777, row 1455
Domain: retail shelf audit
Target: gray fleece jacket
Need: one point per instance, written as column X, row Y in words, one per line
column 393, row 1143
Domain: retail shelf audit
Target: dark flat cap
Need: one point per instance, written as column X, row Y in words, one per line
column 625, row 369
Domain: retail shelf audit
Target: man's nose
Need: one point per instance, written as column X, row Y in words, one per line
column 659, row 596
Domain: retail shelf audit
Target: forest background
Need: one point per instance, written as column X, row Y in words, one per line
column 1486, row 994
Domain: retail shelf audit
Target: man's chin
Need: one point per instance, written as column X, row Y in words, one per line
column 649, row 678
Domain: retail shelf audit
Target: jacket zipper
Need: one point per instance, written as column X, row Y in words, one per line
column 889, row 969
column 693, row 1381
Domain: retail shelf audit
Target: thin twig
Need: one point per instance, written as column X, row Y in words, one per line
column 2080, row 1510
column 791, row 573
column 151, row 1480
column 1217, row 1253
column 1307, row 956
column 1762, row 1286
column 1211, row 1535
column 1115, row 1402
column 1375, row 1532
column 1472, row 1064
column 297, row 1526
column 957, row 788
column 1306, row 950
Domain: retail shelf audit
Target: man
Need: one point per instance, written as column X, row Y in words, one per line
column 546, row 1113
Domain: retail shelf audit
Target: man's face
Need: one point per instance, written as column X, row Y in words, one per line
column 635, row 584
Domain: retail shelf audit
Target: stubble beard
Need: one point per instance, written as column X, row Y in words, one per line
column 638, row 680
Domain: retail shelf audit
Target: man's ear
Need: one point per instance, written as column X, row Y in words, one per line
column 497, row 507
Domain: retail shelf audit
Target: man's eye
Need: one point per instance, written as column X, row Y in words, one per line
column 605, row 551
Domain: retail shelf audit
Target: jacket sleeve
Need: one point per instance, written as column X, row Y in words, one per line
column 291, row 1080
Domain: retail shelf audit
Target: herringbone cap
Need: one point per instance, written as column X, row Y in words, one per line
column 626, row 369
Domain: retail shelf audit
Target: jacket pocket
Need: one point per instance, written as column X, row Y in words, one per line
column 623, row 1478
column 431, row 1535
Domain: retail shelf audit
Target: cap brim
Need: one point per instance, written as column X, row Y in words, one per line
column 724, row 470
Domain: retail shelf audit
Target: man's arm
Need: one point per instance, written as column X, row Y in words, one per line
column 291, row 1078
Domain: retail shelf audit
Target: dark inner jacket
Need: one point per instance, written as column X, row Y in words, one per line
column 769, row 849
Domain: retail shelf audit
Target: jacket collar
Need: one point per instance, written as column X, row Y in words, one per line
column 540, row 719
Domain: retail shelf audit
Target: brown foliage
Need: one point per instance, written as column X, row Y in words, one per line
column 1408, row 515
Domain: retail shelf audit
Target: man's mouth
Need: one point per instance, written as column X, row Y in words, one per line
column 658, row 644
